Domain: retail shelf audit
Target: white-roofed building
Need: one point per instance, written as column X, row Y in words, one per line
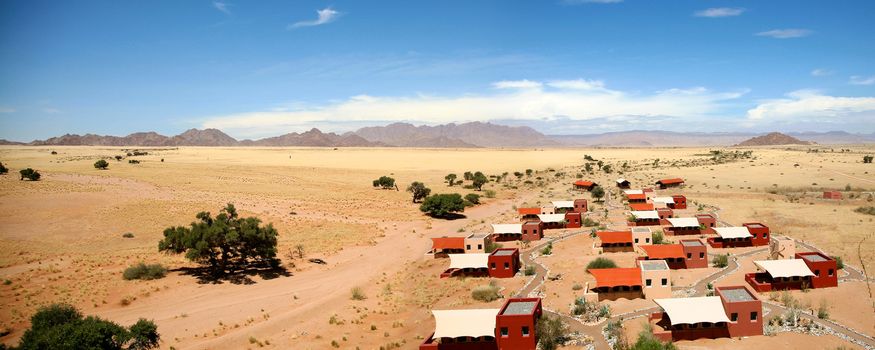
column 563, row 204
column 552, row 218
column 501, row 263
column 687, row 226
column 683, row 222
column 727, row 237
column 693, row 310
column 807, row 270
column 516, row 229
column 644, row 218
column 513, row 326
column 733, row 312
column 474, row 323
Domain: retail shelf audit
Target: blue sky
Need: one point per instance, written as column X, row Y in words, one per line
column 262, row 68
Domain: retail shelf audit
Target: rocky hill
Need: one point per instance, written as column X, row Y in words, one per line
column 773, row 139
column 456, row 135
column 313, row 138
column 209, row 138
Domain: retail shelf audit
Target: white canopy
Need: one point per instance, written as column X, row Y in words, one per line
column 464, row 323
column 684, row 222
column 666, row 200
column 628, row 192
column 785, row 268
column 733, row 232
column 563, row 204
column 551, row 217
column 507, row 228
column 647, row 214
column 472, row 261
column 693, row 310
column 621, row 180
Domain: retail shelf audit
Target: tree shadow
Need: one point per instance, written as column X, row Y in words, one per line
column 451, row 216
column 206, row 275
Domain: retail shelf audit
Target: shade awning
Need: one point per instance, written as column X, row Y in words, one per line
column 670, row 181
column 666, row 200
column 649, row 214
column 448, row 243
column 684, row 222
column 552, row 217
column 529, row 211
column 469, row 261
column 628, row 192
column 563, row 204
column 464, row 323
column 615, row 236
column 508, row 228
column 733, row 232
column 785, row 268
column 693, row 310
column 663, row 251
column 619, row 276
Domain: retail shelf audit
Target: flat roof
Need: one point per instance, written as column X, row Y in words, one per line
column 628, row 192
column 693, row 310
column 464, row 323
column 755, row 225
column 641, row 229
column 692, row 243
column 478, row 235
column 683, row 222
column 439, row 243
column 615, row 236
column 785, row 268
column 508, row 228
column 504, row 252
column 664, row 199
column 519, row 308
column 653, row 265
column 737, row 294
column 812, row 257
column 733, row 232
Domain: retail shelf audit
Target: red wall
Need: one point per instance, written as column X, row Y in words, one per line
column 760, row 234
column 504, row 266
column 744, row 326
column 680, row 202
column 822, row 278
column 580, row 206
column 664, row 213
column 692, row 259
column 514, row 324
column 431, row 344
column 533, row 231
column 572, row 220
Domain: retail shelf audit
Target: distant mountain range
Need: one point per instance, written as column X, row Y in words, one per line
column 453, row 135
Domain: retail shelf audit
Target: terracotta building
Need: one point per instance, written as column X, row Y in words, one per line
column 512, row 327
column 807, row 270
column 666, row 183
column 687, row 254
column 584, row 185
column 502, row 263
column 733, row 312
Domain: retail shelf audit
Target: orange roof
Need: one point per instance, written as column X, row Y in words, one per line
column 448, row 243
column 676, row 180
column 641, row 206
column 636, row 196
column 529, row 211
column 618, row 276
column 584, row 183
column 615, row 236
column 662, row 251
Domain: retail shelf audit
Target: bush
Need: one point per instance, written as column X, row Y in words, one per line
column 485, row 293
column 823, row 310
column 491, row 247
column 601, row 263
column 552, row 332
column 30, row 174
column 598, row 192
column 548, row 249
column 3, row 169
column 418, row 190
column 658, row 238
column 530, row 270
column 721, row 261
column 473, row 198
column 384, row 182
column 490, row 193
column 840, row 264
column 61, row 326
column 357, row 294
column 133, row 161
column 441, row 205
column 128, row 235
column 866, row 210
column 142, row 271
column 101, row 164
column 646, row 341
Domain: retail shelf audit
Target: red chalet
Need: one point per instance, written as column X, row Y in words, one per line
column 616, row 241
column 666, row 183
column 641, row 206
column 734, row 312
column 502, row 263
column 750, row 235
column 699, row 225
column 584, row 185
column 529, row 214
column 644, row 218
column 832, row 195
column 809, row 269
column 512, row 327
column 688, row 254
column 527, row 231
column 623, row 183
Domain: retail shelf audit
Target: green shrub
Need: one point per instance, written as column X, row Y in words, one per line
column 552, row 332
column 384, row 182
column 30, row 174
column 485, row 293
column 840, row 263
column 866, row 210
column 658, row 238
column 442, row 205
column 721, row 261
column 473, row 198
column 101, row 164
column 357, row 294
column 491, row 247
column 530, row 270
column 490, row 193
column 601, row 263
column 142, row 271
column 3, row 169
column 128, row 235
column 548, row 249
column 61, row 326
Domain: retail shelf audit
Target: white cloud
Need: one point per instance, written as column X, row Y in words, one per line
column 517, row 84
column 785, row 33
column 222, row 6
column 820, row 72
column 720, row 12
column 859, row 80
column 515, row 100
column 325, row 16
column 812, row 106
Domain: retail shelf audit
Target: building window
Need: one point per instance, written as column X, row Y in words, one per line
column 504, row 332
column 493, row 266
column 689, row 255
column 525, row 331
column 647, row 282
column 636, row 240
column 469, row 247
column 701, row 255
column 506, row 265
column 817, row 273
column 831, row 272
column 647, row 240
column 765, row 235
column 665, row 281
column 734, row 317
column 753, row 316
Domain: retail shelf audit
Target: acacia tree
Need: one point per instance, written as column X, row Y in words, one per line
column 419, row 190
column 30, row 174
column 468, row 175
column 61, row 326
column 441, row 205
column 451, row 178
column 479, row 179
column 101, row 164
column 3, row 169
column 384, row 182
column 598, row 192
column 223, row 243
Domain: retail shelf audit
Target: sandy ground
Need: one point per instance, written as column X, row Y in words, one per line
column 60, row 238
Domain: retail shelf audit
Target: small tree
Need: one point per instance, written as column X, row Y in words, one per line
column 658, row 238
column 868, row 159
column 840, row 264
column 468, row 176
column 419, row 190
column 441, row 205
column 587, row 167
column 552, row 332
column 3, row 169
column 607, row 169
column 30, row 174
column 384, row 182
column 529, row 172
column 101, row 164
column 601, row 263
column 450, row 179
column 473, row 198
column 598, row 192
column 118, row 158
column 61, row 326
column 479, row 180
column 721, row 261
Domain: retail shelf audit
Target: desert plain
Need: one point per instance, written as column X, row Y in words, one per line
column 61, row 238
